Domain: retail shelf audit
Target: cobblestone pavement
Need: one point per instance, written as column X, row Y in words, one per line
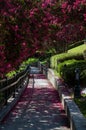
column 39, row 108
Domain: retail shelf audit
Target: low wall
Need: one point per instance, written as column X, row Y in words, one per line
column 77, row 120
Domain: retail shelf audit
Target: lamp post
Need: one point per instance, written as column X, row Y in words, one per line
column 77, row 91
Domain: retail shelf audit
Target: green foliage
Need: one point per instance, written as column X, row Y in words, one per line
column 75, row 44
column 56, row 59
column 21, row 67
column 75, row 53
column 44, row 62
column 66, row 63
column 27, row 62
column 11, row 74
column 82, row 105
column 57, row 73
column 79, row 49
column 67, row 70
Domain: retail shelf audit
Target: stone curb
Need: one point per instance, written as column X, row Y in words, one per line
column 77, row 120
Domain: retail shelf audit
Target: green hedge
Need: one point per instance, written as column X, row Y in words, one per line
column 67, row 70
column 56, row 59
column 78, row 49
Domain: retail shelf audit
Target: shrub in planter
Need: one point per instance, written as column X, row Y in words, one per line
column 67, row 70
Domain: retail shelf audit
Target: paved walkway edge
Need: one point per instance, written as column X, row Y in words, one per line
column 77, row 120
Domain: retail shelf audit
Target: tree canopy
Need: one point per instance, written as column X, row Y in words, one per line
column 27, row 26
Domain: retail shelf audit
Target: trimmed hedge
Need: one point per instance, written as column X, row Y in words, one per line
column 78, row 49
column 56, row 59
column 66, row 63
column 67, row 70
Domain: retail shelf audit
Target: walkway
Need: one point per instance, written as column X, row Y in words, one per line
column 39, row 108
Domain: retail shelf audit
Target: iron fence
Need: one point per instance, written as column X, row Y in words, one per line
column 9, row 86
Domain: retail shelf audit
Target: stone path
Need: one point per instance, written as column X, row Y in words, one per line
column 39, row 108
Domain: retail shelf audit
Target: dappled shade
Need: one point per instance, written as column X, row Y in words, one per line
column 38, row 109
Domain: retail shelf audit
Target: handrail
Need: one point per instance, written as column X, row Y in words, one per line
column 43, row 68
column 12, row 84
column 16, row 77
column 9, row 86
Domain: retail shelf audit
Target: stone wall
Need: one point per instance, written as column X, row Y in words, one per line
column 77, row 120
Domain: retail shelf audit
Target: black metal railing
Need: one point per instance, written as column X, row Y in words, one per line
column 9, row 86
column 43, row 68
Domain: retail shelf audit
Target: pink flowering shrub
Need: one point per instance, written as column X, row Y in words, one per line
column 27, row 26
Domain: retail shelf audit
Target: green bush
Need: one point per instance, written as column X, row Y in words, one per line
column 79, row 49
column 55, row 60
column 81, row 104
column 67, row 70
column 52, row 61
column 29, row 61
column 21, row 67
column 11, row 74
column 24, row 64
column 75, row 53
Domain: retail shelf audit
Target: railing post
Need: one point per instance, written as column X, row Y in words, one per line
column 46, row 69
column 33, row 80
column 5, row 93
column 41, row 68
column 14, row 89
column 77, row 91
column 9, row 86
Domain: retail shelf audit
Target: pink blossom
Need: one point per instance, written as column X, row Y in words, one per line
column 85, row 17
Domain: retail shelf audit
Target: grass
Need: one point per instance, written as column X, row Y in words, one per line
column 78, row 49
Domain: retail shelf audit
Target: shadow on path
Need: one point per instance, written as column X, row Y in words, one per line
column 38, row 109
